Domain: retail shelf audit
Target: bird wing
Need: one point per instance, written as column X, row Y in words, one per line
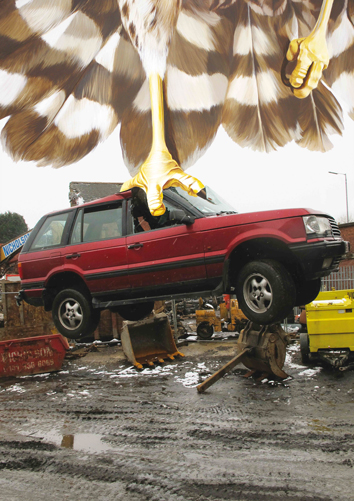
column 195, row 87
column 55, row 77
column 196, row 80
column 340, row 72
column 260, row 112
column 224, row 64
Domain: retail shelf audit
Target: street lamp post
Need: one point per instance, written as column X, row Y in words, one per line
column 346, row 190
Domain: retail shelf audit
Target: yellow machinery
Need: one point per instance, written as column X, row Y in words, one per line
column 330, row 328
column 231, row 318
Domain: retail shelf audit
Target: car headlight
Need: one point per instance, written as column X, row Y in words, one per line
column 316, row 226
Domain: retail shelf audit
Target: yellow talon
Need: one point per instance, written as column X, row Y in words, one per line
column 311, row 54
column 160, row 171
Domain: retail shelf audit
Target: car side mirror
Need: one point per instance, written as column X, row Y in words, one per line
column 179, row 216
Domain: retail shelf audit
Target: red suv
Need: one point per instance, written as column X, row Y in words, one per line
column 112, row 253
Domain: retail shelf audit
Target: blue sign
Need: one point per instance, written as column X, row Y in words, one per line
column 15, row 244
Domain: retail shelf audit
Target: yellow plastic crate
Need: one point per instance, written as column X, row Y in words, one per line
column 330, row 321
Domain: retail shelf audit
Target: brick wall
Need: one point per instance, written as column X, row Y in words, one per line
column 347, row 231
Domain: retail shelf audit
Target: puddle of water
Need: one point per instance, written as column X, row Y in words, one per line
column 86, row 442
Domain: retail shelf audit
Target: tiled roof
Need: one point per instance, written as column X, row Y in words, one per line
column 87, row 192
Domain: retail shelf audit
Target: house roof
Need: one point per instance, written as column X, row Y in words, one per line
column 80, row 192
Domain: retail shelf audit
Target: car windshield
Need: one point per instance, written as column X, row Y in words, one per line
column 207, row 202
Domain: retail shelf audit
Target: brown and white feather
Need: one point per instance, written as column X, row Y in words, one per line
column 260, row 112
column 196, row 81
column 71, row 70
column 62, row 105
column 340, row 72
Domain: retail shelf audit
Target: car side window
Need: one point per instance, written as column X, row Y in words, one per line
column 142, row 220
column 51, row 232
column 97, row 223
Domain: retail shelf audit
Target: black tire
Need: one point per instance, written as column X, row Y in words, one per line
column 265, row 291
column 305, row 348
column 307, row 291
column 205, row 330
column 136, row 311
column 73, row 314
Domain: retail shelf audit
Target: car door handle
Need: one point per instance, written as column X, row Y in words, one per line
column 73, row 256
column 135, row 246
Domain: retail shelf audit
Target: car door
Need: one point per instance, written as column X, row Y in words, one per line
column 97, row 248
column 162, row 257
column 44, row 256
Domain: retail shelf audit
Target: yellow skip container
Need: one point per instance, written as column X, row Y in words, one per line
column 330, row 321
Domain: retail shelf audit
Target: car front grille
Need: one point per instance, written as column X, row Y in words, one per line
column 335, row 230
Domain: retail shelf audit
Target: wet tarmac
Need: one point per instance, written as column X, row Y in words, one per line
column 99, row 430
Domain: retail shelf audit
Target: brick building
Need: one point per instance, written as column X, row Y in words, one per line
column 344, row 278
column 347, row 231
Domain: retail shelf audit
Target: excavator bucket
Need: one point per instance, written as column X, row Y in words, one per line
column 268, row 345
column 260, row 348
column 149, row 341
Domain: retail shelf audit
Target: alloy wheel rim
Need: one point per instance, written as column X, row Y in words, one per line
column 70, row 314
column 258, row 293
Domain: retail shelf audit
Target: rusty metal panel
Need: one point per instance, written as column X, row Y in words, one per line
column 34, row 355
column 110, row 326
column 23, row 321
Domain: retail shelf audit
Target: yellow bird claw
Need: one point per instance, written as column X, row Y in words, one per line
column 160, row 172
column 312, row 58
column 293, row 49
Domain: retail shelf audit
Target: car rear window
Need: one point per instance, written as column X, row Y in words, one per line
column 51, row 232
column 99, row 223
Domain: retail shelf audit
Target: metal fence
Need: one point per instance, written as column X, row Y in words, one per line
column 341, row 280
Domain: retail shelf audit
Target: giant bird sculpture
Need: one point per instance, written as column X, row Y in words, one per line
column 170, row 72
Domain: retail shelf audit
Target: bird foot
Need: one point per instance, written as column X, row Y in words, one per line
column 312, row 58
column 159, row 172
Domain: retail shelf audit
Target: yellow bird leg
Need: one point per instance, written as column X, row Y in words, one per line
column 311, row 53
column 160, row 171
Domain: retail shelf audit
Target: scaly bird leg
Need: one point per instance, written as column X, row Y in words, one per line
column 312, row 55
column 160, row 171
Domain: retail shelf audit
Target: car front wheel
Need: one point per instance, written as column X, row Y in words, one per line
column 307, row 291
column 265, row 291
column 73, row 314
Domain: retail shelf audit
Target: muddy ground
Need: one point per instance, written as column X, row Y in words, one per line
column 99, row 430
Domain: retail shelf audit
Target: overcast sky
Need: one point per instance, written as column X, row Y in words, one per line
column 290, row 177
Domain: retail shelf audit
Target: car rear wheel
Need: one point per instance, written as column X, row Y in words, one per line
column 205, row 330
column 136, row 311
column 265, row 291
column 73, row 314
column 307, row 291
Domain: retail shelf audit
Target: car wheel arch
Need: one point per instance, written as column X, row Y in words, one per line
column 64, row 280
column 256, row 249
